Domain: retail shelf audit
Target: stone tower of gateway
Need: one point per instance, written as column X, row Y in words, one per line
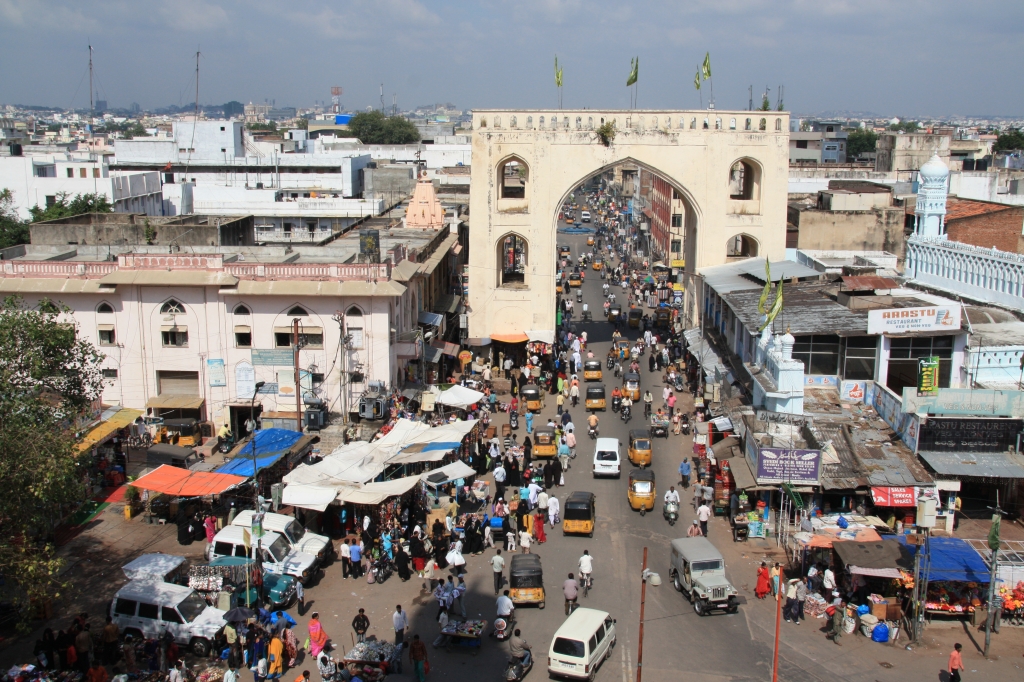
column 731, row 169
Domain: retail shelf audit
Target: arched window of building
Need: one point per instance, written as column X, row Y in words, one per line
column 297, row 311
column 172, row 307
column 513, row 257
column 241, row 310
column 763, row 125
column 354, row 328
column 104, row 308
column 744, row 181
column 741, row 246
column 513, row 174
column 778, row 124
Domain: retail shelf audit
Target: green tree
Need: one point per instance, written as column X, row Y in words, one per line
column 302, row 124
column 765, row 104
column 50, row 378
column 268, row 127
column 13, row 230
column 373, row 127
column 1010, row 140
column 905, row 127
column 65, row 206
column 860, row 141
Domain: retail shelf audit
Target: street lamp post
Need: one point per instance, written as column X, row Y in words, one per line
column 257, row 513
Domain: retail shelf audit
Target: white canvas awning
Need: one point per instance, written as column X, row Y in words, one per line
column 377, row 492
column 460, row 397
column 541, row 335
column 452, row 472
column 309, row 496
column 435, row 443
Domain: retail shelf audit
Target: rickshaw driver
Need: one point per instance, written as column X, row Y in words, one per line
column 648, row 401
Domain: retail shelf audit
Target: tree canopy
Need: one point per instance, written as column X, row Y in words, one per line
column 1010, row 140
column 905, row 127
column 128, row 129
column 50, row 378
column 13, row 230
column 373, row 127
column 66, row 205
column 860, row 141
column 268, row 127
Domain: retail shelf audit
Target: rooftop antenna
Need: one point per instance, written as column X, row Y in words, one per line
column 92, row 108
column 382, row 98
column 394, row 104
column 336, row 99
column 750, row 104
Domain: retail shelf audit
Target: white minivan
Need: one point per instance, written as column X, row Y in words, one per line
column 607, row 458
column 298, row 538
column 584, row 640
column 149, row 608
column 585, row 216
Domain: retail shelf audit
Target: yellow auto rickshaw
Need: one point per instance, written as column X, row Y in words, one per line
column 545, row 444
column 622, row 347
column 526, row 580
column 598, row 264
column 595, row 398
column 640, row 449
column 641, row 491
column 631, row 386
column 579, row 515
column 590, row 240
column 592, row 370
column 663, row 318
column 564, row 252
column 634, row 316
column 533, row 397
column 558, row 287
column 575, row 280
column 614, row 313
column 183, row 432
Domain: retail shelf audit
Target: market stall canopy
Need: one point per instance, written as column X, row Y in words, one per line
column 953, row 560
column 541, row 335
column 176, row 402
column 826, row 537
column 511, row 337
column 271, row 445
column 356, row 462
column 460, row 397
column 432, row 319
column 114, row 420
column 312, row 497
column 378, row 491
column 881, row 559
column 434, row 443
column 184, row 483
column 987, row 464
column 451, row 472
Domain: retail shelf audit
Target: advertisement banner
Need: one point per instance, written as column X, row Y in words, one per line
column 245, row 380
column 927, row 375
column 904, row 320
column 215, row 368
column 775, row 465
column 273, row 358
column 965, row 401
column 894, row 497
column 852, row 391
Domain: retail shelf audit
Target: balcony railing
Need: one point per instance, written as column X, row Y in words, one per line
column 293, row 237
column 58, row 269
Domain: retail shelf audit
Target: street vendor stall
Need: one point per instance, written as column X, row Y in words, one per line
column 957, row 577
column 367, row 655
column 465, row 633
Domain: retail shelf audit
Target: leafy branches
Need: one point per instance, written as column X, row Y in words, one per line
column 65, row 206
column 373, row 127
column 13, row 230
column 606, row 132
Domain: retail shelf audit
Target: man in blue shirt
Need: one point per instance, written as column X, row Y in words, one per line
column 684, row 473
column 278, row 616
column 356, row 554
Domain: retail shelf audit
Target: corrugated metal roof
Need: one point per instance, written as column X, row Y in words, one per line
column 807, row 310
column 983, row 464
column 847, row 474
column 868, row 283
column 783, row 269
column 725, row 278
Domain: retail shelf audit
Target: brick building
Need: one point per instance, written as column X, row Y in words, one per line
column 985, row 224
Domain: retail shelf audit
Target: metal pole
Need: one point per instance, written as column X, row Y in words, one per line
column 992, row 606
column 643, row 598
column 298, row 384
column 778, row 623
column 256, row 511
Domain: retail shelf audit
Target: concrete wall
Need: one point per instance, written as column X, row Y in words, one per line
column 876, row 230
column 695, row 160
column 118, row 229
column 909, row 151
column 1001, row 230
column 992, row 185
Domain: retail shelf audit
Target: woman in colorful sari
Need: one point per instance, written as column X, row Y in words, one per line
column 275, row 658
column 317, row 636
column 762, row 589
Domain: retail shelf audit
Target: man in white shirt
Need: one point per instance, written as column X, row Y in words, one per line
column 498, row 565
column 505, row 607
column 672, row 495
column 508, row 367
column 586, row 565
column 401, row 623
column 499, row 481
column 704, row 513
column 346, row 559
column 828, row 581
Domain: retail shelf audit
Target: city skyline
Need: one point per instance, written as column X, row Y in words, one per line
column 832, row 55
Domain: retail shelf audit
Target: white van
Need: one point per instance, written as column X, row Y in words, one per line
column 275, row 552
column 607, row 458
column 584, row 640
column 148, row 608
column 297, row 537
column 585, row 216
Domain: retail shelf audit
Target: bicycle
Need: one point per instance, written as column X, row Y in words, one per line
column 587, row 580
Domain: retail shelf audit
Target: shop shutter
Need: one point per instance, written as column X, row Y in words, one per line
column 178, row 383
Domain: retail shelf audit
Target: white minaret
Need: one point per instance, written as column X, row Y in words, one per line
column 930, row 212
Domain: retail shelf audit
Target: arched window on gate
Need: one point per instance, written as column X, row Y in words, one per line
column 529, row 122
column 763, row 125
column 513, row 257
column 513, row 174
column 778, row 124
column 741, row 246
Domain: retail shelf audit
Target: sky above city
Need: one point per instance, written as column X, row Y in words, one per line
column 892, row 57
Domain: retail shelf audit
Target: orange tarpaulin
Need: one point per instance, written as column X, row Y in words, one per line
column 510, row 338
column 184, row 483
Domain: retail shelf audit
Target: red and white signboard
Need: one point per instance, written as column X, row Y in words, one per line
column 894, row 497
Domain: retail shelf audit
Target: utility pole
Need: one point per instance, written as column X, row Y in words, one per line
column 92, row 107
column 993, row 544
column 298, row 385
column 750, row 104
column 643, row 599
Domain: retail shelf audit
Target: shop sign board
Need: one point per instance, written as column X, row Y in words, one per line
column 784, row 418
column 940, row 434
column 927, row 375
column 965, row 401
column 904, row 320
column 215, row 369
column 901, row 496
column 778, row 465
column 273, row 358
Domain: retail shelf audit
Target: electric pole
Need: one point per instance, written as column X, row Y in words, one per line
column 92, row 107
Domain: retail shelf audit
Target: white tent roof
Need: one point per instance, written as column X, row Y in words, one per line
column 453, row 471
column 309, row 496
column 541, row 335
column 433, row 444
column 375, row 493
column 460, row 397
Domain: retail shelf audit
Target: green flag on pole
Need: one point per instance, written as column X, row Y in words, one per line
column 706, row 67
column 762, row 303
column 696, row 80
column 634, row 71
column 993, row 533
column 775, row 309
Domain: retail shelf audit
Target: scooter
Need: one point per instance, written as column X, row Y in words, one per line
column 515, row 671
column 503, row 628
column 616, row 400
column 684, row 423
column 671, row 512
column 626, row 413
column 513, row 420
column 381, row 570
column 592, row 432
column 679, row 383
column 611, row 362
column 226, row 445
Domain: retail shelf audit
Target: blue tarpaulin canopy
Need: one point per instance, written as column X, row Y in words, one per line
column 271, row 445
column 953, row 560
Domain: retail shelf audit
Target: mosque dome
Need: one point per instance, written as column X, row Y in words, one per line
column 934, row 170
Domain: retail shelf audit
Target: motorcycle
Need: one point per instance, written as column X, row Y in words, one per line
column 671, row 512
column 513, row 420
column 684, row 423
column 515, row 671
column 616, row 400
column 226, row 445
column 503, row 628
column 679, row 383
column 592, row 432
column 626, row 413
column 381, row 570
column 611, row 362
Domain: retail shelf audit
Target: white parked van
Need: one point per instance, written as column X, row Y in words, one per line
column 607, row 458
column 297, row 537
column 149, row 608
column 584, row 640
column 275, row 552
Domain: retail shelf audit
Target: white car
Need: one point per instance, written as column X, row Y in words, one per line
column 149, row 608
column 585, row 216
column 275, row 552
column 607, row 458
column 297, row 537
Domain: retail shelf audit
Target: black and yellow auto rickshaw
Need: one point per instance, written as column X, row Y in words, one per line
column 622, row 347
column 578, row 517
column 640, row 448
column 634, row 316
column 592, row 370
column 533, row 397
column 526, row 580
column 183, row 432
column 595, row 399
column 564, row 252
column 598, row 263
column 575, row 280
column 641, row 491
column 631, row 385
column 558, row 286
column 590, row 240
column 545, row 444
column 662, row 318
column 614, row 313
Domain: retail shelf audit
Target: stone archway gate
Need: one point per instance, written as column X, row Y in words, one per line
column 692, row 150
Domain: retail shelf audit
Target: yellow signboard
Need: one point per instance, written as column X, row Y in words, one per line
column 678, row 263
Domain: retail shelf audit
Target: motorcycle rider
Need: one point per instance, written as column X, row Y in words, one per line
column 593, row 422
column 627, row 404
column 648, row 401
column 506, row 609
column 672, row 495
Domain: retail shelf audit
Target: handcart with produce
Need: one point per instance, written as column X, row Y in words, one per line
column 367, row 656
column 464, row 633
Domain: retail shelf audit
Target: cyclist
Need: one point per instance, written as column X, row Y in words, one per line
column 586, row 566
column 648, row 401
column 570, row 591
